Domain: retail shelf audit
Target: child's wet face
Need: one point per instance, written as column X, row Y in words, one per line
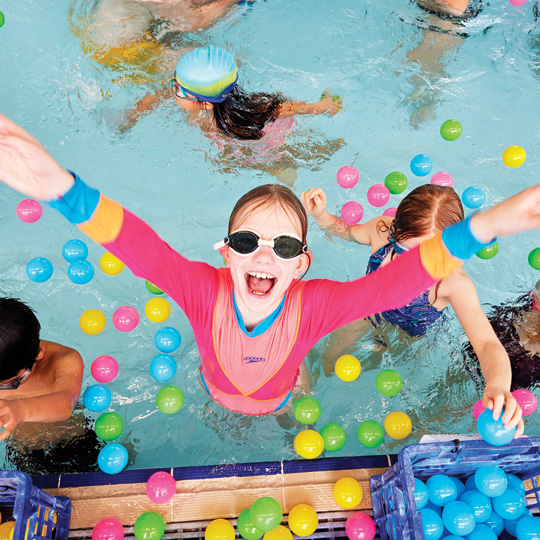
column 189, row 105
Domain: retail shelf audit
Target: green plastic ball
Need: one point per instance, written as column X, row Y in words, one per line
column 488, row 252
column 534, row 258
column 334, row 437
column 306, row 410
column 152, row 288
column 389, row 382
column 451, row 130
column 149, row 526
column 2, row 19
column 109, row 426
column 247, row 528
column 396, row 182
column 370, row 433
column 266, row 513
column 170, row 399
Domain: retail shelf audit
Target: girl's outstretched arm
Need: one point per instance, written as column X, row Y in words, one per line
column 329, row 104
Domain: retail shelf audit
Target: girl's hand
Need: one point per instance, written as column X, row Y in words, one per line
column 495, row 399
column 330, row 103
column 27, row 167
column 315, row 202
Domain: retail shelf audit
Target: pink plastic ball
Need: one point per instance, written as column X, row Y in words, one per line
column 104, row 369
column 161, row 487
column 29, row 211
column 352, row 212
column 108, row 529
column 478, row 409
column 442, row 179
column 390, row 212
column 347, row 177
column 526, row 400
column 517, row 2
column 378, row 195
column 125, row 318
column 360, row 526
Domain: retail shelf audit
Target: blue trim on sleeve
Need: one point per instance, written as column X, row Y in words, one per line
column 79, row 203
column 262, row 326
column 460, row 240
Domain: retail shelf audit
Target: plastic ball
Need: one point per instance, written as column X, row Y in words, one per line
column 390, row 212
column 112, row 458
column 459, row 485
column 534, row 258
column 157, row 309
column 396, row 182
column 110, row 264
column 478, row 409
column 514, row 156
column 493, row 431
column 509, row 505
column 482, row 532
column 97, row 398
column 6, row 530
column 398, row 425
column 458, row 518
column 378, row 195
column 441, row 490
column 246, row 527
column 420, row 494
column 108, row 529
column 266, row 513
column 104, row 369
column 389, row 382
column 347, row 177
column 510, row 525
column 163, row 367
column 29, row 210
column 352, row 212
column 149, row 526
column 348, row 367
column 161, row 487
column 473, row 197
column 334, row 437
column 219, row 529
column 516, row 483
column 81, row 272
column 451, row 130
column 347, row 492
column 152, row 288
column 308, row 444
column 470, row 483
column 421, row 165
column 92, row 322
column 125, row 318
column 360, row 526
column 279, row 533
column 431, row 523
column 489, row 251
column 526, row 400
column 370, row 434
column 109, row 426
column 303, row 520
column 167, row 339
column 2, row 19
column 490, row 480
column 170, row 399
column 442, row 179
column 528, row 528
column 496, row 523
column 74, row 250
column 39, row 270
column 479, row 503
column 518, row 2
column 306, row 410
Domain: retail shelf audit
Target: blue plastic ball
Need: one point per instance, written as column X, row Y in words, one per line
column 528, row 528
column 436, row 509
column 470, row 483
column 509, row 505
column 458, row 518
column 491, row 481
column 112, row 458
column 516, row 483
column 97, row 398
column 441, row 490
column 74, row 250
column 421, row 165
column 479, row 503
column 420, row 494
column 163, row 367
column 496, row 523
column 167, row 339
column 473, row 197
column 39, row 269
column 81, row 272
column 431, row 523
column 482, row 532
column 493, row 431
column 459, row 485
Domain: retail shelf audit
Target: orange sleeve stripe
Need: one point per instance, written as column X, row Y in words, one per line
column 106, row 221
column 436, row 258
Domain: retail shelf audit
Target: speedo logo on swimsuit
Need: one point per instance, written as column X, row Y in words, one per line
column 252, row 359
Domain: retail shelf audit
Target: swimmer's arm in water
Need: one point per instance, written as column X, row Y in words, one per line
column 145, row 105
column 329, row 104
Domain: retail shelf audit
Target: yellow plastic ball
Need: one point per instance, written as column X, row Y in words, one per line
column 309, row 444
column 157, row 309
column 279, row 533
column 514, row 156
column 303, row 520
column 348, row 492
column 92, row 322
column 348, row 367
column 110, row 264
column 6, row 530
column 397, row 424
column 219, row 529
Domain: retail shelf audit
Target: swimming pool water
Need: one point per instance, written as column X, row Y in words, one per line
column 170, row 174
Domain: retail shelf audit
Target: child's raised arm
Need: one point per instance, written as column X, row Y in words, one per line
column 329, row 104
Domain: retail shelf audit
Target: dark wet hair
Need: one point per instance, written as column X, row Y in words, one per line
column 244, row 116
column 19, row 337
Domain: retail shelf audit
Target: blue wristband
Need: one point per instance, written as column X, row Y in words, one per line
column 79, row 203
column 460, row 240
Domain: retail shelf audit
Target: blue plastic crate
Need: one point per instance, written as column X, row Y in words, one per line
column 44, row 517
column 392, row 492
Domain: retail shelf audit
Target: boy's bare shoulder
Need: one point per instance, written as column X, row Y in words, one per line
column 59, row 356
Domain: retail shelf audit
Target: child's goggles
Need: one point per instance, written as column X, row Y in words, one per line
column 14, row 383
column 285, row 246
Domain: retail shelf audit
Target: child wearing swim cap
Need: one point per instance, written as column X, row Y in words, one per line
column 424, row 212
column 256, row 319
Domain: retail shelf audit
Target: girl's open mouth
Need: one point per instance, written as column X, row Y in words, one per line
column 259, row 283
